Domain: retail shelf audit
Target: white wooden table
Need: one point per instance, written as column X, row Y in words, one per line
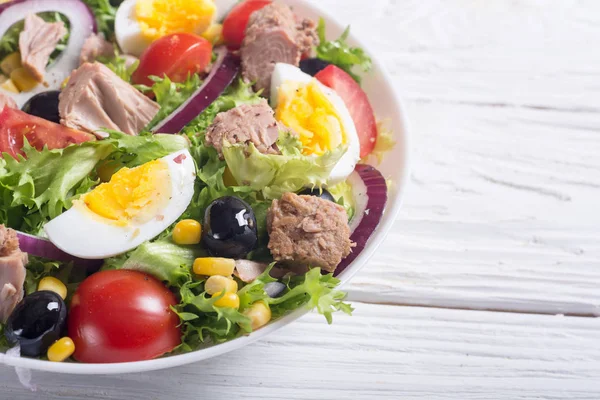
column 489, row 283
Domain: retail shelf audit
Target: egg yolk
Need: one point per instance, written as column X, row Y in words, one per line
column 138, row 193
column 158, row 18
column 308, row 111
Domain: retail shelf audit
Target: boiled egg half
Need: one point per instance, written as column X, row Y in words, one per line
column 140, row 22
column 136, row 205
column 317, row 114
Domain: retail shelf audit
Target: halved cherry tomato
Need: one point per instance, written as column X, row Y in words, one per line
column 356, row 101
column 176, row 56
column 234, row 26
column 121, row 316
column 15, row 125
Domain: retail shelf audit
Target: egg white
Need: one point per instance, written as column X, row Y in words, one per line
column 223, row 8
column 128, row 33
column 345, row 166
column 84, row 234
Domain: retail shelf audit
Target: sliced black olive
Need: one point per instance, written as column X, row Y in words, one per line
column 38, row 321
column 313, row 66
column 44, row 105
column 229, row 229
column 274, row 289
column 322, row 193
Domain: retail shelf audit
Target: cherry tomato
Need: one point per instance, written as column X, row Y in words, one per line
column 175, row 56
column 16, row 125
column 234, row 26
column 121, row 316
column 356, row 101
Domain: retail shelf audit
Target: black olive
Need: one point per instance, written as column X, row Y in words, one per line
column 44, row 105
column 229, row 228
column 313, row 66
column 322, row 193
column 37, row 322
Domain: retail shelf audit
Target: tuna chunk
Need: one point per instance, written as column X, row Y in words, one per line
column 274, row 34
column 308, row 230
column 6, row 100
column 37, row 41
column 12, row 272
column 246, row 124
column 96, row 98
column 95, row 46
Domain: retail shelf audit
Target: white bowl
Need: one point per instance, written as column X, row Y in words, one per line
column 395, row 167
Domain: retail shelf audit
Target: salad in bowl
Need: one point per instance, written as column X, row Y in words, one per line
column 176, row 175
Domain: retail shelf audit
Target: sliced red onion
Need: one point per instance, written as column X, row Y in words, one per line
column 83, row 24
column 274, row 289
column 4, row 6
column 40, row 247
column 224, row 71
column 248, row 270
column 370, row 193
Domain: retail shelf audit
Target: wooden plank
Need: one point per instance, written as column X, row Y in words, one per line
column 382, row 351
column 524, row 53
column 501, row 214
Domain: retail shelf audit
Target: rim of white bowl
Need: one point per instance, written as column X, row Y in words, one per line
column 376, row 239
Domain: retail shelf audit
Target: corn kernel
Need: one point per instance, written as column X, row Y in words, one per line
column 214, row 34
column 11, row 62
column 230, row 300
column 187, row 231
column 10, row 86
column 217, row 284
column 259, row 313
column 23, row 79
column 61, row 350
column 53, row 285
column 210, row 266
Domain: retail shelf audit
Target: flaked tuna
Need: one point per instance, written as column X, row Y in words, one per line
column 12, row 272
column 96, row 98
column 37, row 41
column 274, row 35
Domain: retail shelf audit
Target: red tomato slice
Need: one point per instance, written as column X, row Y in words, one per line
column 234, row 26
column 16, row 125
column 121, row 316
column 357, row 102
column 175, row 56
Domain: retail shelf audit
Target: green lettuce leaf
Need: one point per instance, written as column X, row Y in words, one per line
column 118, row 65
column 274, row 175
column 340, row 53
column 41, row 186
column 162, row 259
column 105, row 12
column 170, row 95
column 312, row 290
column 343, row 195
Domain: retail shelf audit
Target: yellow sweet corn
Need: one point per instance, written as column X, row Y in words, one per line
column 259, row 313
column 10, row 63
column 214, row 34
column 187, row 231
column 210, row 266
column 230, row 300
column 9, row 85
column 217, row 284
column 61, row 350
column 23, row 79
column 53, row 285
